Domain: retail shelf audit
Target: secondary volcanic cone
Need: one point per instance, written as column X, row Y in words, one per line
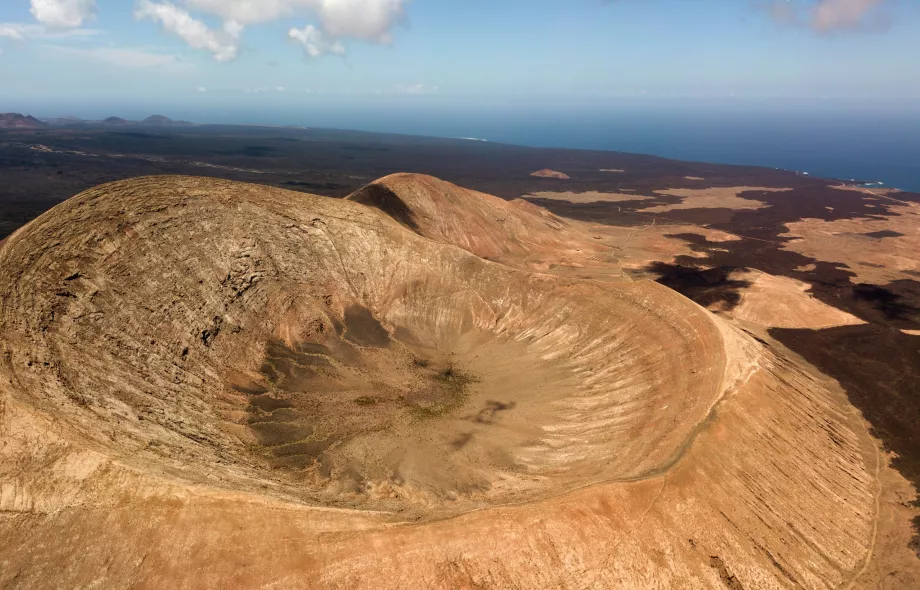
column 212, row 384
column 516, row 233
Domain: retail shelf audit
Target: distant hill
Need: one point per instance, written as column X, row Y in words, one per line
column 116, row 121
column 157, row 120
column 18, row 121
column 161, row 120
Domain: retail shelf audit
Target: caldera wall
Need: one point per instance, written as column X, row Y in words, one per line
column 349, row 398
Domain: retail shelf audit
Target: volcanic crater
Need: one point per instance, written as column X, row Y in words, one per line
column 353, row 362
column 412, row 366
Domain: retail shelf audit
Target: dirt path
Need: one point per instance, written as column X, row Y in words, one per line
column 878, row 506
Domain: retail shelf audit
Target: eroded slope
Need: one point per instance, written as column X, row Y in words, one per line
column 221, row 372
column 319, row 344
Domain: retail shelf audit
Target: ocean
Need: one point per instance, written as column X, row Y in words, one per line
column 875, row 147
column 863, row 148
column 872, row 143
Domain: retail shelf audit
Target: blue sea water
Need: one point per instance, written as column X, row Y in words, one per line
column 862, row 148
column 868, row 146
column 878, row 142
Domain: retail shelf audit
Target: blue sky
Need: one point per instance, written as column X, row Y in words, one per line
column 208, row 56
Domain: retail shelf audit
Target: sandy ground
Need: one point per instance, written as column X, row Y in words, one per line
column 891, row 254
column 421, row 386
column 713, row 198
column 781, row 302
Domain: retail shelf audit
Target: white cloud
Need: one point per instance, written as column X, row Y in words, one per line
column 371, row 20
column 123, row 57
column 63, row 14
column 830, row 15
column 11, row 32
column 202, row 89
column 315, row 43
column 21, row 32
column 367, row 19
column 842, row 14
column 280, row 89
column 223, row 45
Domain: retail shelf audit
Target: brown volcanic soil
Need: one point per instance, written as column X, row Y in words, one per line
column 712, row 198
column 547, row 173
column 587, row 197
column 386, row 379
column 516, row 233
column 18, row 121
column 855, row 250
column 213, row 384
column 781, row 302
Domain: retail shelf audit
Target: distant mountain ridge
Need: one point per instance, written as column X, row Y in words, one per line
column 157, row 120
column 19, row 121
column 161, row 120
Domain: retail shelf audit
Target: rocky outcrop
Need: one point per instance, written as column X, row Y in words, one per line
column 547, row 173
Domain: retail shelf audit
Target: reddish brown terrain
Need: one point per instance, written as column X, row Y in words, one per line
column 215, row 384
column 18, row 121
column 547, row 173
